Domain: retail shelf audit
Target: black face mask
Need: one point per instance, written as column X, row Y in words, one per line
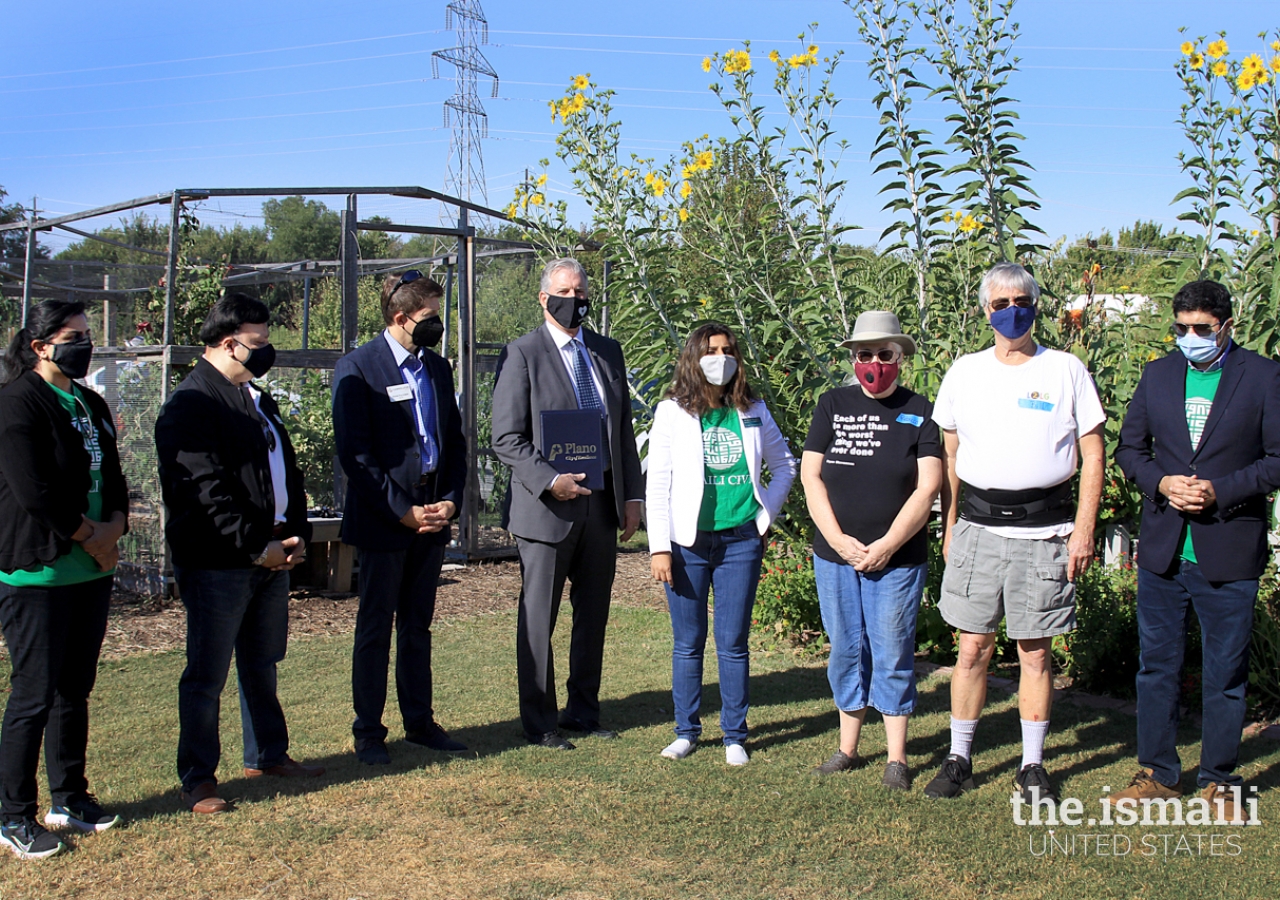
column 260, row 360
column 73, row 358
column 568, row 311
column 427, row 333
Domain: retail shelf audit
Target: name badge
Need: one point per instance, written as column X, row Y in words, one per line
column 751, row 423
column 398, row 392
column 908, row 419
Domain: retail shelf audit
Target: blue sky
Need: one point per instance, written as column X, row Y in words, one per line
column 106, row 101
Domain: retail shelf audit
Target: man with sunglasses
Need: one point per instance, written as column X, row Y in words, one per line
column 237, row 523
column 399, row 440
column 1201, row 439
column 1016, row 419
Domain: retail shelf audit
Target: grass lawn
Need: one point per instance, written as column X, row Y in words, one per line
column 612, row 819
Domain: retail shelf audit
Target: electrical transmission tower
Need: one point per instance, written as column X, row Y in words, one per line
column 463, row 110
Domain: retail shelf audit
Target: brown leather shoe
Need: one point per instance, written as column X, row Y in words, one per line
column 1143, row 787
column 290, row 768
column 1222, row 804
column 204, row 799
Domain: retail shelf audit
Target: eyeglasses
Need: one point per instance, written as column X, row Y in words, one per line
column 1022, row 301
column 885, row 355
column 407, row 278
column 1200, row 328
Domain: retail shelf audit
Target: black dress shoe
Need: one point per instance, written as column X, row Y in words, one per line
column 372, row 752
column 552, row 740
column 435, row 738
column 578, row 727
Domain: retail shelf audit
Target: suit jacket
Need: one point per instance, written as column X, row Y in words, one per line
column 673, row 498
column 532, row 378
column 1239, row 452
column 216, row 475
column 377, row 442
column 44, row 473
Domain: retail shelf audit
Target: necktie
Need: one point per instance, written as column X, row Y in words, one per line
column 426, row 413
column 587, row 396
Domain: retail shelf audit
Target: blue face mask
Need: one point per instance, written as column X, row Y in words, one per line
column 1198, row 349
column 1013, row 321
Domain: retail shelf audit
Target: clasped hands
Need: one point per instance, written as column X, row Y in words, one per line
column 100, row 541
column 430, row 518
column 864, row 557
column 1188, row 493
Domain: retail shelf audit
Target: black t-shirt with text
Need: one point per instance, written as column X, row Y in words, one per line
column 870, row 448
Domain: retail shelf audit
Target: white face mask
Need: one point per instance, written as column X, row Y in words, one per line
column 718, row 368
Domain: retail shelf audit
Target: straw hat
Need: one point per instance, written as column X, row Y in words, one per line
column 879, row 325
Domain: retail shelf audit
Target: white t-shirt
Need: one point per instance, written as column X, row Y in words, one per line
column 1018, row 425
column 275, row 458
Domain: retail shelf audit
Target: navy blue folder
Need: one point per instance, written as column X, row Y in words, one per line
column 573, row 442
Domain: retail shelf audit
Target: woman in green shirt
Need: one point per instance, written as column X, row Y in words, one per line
column 708, row 511
column 63, row 507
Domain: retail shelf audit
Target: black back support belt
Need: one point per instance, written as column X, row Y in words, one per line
column 1037, row 507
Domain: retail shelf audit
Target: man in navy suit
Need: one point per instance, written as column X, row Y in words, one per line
column 399, row 439
column 1202, row 441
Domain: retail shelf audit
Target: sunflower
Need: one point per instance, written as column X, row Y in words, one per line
column 1196, row 61
column 775, row 56
column 581, row 81
column 1188, row 48
column 706, row 64
column 1217, row 49
column 1220, row 69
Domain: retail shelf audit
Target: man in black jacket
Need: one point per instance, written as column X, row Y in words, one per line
column 237, row 523
column 1201, row 439
column 399, row 439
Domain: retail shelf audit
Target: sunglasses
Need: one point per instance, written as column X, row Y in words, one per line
column 1201, row 329
column 1022, row 302
column 407, row 278
column 886, row 355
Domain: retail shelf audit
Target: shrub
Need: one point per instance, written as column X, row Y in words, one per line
column 787, row 598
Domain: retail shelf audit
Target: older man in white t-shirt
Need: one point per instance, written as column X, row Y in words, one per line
column 1016, row 419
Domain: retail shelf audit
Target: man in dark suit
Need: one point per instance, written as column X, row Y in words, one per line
column 1202, row 441
column 237, row 523
column 563, row 529
column 399, row 439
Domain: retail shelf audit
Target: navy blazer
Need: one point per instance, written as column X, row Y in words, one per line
column 377, row 442
column 1239, row 452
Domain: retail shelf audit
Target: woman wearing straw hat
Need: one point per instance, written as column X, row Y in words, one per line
column 871, row 468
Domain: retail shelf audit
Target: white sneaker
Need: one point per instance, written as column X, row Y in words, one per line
column 735, row 754
column 679, row 748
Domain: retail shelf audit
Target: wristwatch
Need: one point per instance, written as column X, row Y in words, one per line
column 262, row 557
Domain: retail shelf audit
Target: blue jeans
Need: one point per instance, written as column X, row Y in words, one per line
column 870, row 619
column 729, row 562
column 1225, row 611
column 54, row 635
column 245, row 610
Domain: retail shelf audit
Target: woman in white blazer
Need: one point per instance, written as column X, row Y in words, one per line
column 708, row 511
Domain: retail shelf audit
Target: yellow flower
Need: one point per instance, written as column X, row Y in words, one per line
column 1253, row 62
column 775, row 56
column 969, row 223
column 1151, row 356
column 554, row 109
column 684, row 215
column 1217, row 49
column 1196, row 61
column 706, row 64
column 581, row 81
column 685, row 190
column 1245, row 81
column 1188, row 48
column 704, row 159
column 947, row 216
column 1254, row 232
column 1275, row 45
column 542, row 179
column 512, row 209
column 737, row 61
column 648, row 178
column 813, row 50
column 1275, row 64
column 658, row 186
column 536, row 200
column 1220, row 69
column 797, row 60
column 577, row 104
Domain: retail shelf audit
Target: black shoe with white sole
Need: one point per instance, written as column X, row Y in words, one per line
column 82, row 813
column 28, row 839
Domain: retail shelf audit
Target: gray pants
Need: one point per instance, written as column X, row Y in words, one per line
column 587, row 558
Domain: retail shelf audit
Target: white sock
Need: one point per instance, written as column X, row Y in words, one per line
column 1033, row 735
column 962, row 736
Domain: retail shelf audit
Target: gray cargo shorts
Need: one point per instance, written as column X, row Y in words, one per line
column 989, row 577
